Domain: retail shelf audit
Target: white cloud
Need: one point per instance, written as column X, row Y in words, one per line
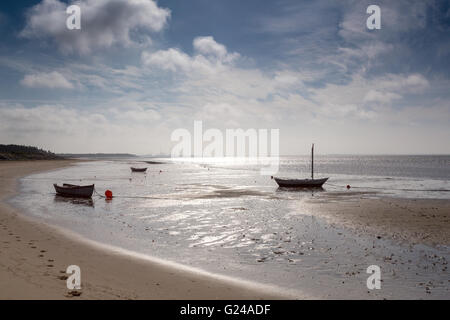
column 409, row 83
column 361, row 95
column 383, row 97
column 171, row 59
column 104, row 23
column 207, row 46
column 212, row 75
column 210, row 57
column 66, row 129
column 45, row 119
column 249, row 95
column 367, row 51
column 396, row 17
column 392, row 87
column 339, row 117
column 143, row 103
column 136, row 114
column 53, row 80
column 359, row 100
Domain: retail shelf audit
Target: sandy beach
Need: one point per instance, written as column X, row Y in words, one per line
column 34, row 258
column 34, row 255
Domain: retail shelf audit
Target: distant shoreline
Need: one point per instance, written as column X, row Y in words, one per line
column 97, row 155
column 20, row 152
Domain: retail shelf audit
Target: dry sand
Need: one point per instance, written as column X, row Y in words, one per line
column 34, row 258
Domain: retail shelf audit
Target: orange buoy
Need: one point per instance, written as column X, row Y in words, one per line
column 108, row 194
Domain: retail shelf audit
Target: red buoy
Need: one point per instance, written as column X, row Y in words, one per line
column 108, row 194
column 348, row 186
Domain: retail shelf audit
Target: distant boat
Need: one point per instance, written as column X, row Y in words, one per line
column 71, row 190
column 303, row 183
column 138, row 169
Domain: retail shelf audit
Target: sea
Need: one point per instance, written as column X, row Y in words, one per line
column 223, row 217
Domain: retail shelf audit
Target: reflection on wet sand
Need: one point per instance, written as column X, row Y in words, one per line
column 308, row 191
column 234, row 223
column 76, row 201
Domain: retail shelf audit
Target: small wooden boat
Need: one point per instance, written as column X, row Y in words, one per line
column 138, row 169
column 71, row 190
column 303, row 183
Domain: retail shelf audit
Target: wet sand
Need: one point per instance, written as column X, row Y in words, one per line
column 34, row 257
column 413, row 221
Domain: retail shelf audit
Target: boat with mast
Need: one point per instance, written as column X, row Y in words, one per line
column 302, row 183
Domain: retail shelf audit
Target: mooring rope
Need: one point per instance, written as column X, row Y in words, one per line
column 379, row 188
column 328, row 183
column 131, row 197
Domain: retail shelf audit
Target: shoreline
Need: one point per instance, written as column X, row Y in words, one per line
column 35, row 256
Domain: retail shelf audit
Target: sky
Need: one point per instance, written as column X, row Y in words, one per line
column 139, row 69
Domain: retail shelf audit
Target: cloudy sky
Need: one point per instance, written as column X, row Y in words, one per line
column 139, row 69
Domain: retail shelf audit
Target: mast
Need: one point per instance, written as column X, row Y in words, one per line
column 312, row 162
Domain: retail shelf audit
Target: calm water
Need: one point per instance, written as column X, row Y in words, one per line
column 225, row 218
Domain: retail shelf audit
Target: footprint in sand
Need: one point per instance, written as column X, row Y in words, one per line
column 73, row 293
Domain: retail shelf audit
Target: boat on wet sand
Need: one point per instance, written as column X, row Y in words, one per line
column 71, row 190
column 138, row 169
column 302, row 183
